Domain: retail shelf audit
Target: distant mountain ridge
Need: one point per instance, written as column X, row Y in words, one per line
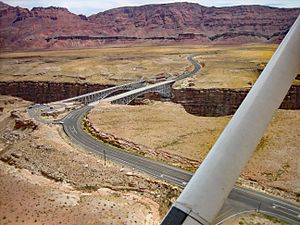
column 54, row 27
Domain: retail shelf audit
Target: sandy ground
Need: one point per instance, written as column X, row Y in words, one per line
column 160, row 128
column 223, row 66
column 44, row 179
column 33, row 199
column 166, row 128
column 103, row 65
column 232, row 66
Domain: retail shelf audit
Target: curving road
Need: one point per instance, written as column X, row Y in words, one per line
column 196, row 69
column 240, row 199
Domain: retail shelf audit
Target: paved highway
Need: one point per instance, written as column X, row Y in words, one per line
column 240, row 199
column 196, row 69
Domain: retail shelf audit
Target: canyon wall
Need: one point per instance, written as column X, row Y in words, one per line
column 43, row 92
column 203, row 102
column 220, row 102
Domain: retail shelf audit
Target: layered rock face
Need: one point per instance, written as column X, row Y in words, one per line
column 43, row 92
column 203, row 102
column 52, row 27
column 191, row 21
column 28, row 29
column 221, row 102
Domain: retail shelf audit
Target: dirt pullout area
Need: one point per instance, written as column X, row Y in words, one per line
column 47, row 180
column 165, row 131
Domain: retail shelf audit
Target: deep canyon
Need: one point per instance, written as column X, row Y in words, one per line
column 203, row 102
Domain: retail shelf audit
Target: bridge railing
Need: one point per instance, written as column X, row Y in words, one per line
column 98, row 95
column 163, row 88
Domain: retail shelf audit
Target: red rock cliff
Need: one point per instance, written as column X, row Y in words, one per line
column 54, row 27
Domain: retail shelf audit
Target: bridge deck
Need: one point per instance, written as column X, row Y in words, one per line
column 133, row 92
column 100, row 91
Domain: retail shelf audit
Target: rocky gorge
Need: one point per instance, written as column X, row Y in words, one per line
column 222, row 101
column 200, row 102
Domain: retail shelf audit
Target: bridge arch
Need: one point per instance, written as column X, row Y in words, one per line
column 164, row 91
column 98, row 95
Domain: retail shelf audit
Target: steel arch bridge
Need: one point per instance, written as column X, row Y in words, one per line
column 163, row 88
column 98, row 95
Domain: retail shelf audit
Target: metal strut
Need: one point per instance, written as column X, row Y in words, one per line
column 204, row 195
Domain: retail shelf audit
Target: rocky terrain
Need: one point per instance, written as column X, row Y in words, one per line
column 223, row 101
column 44, row 92
column 203, row 102
column 45, row 179
column 52, row 27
